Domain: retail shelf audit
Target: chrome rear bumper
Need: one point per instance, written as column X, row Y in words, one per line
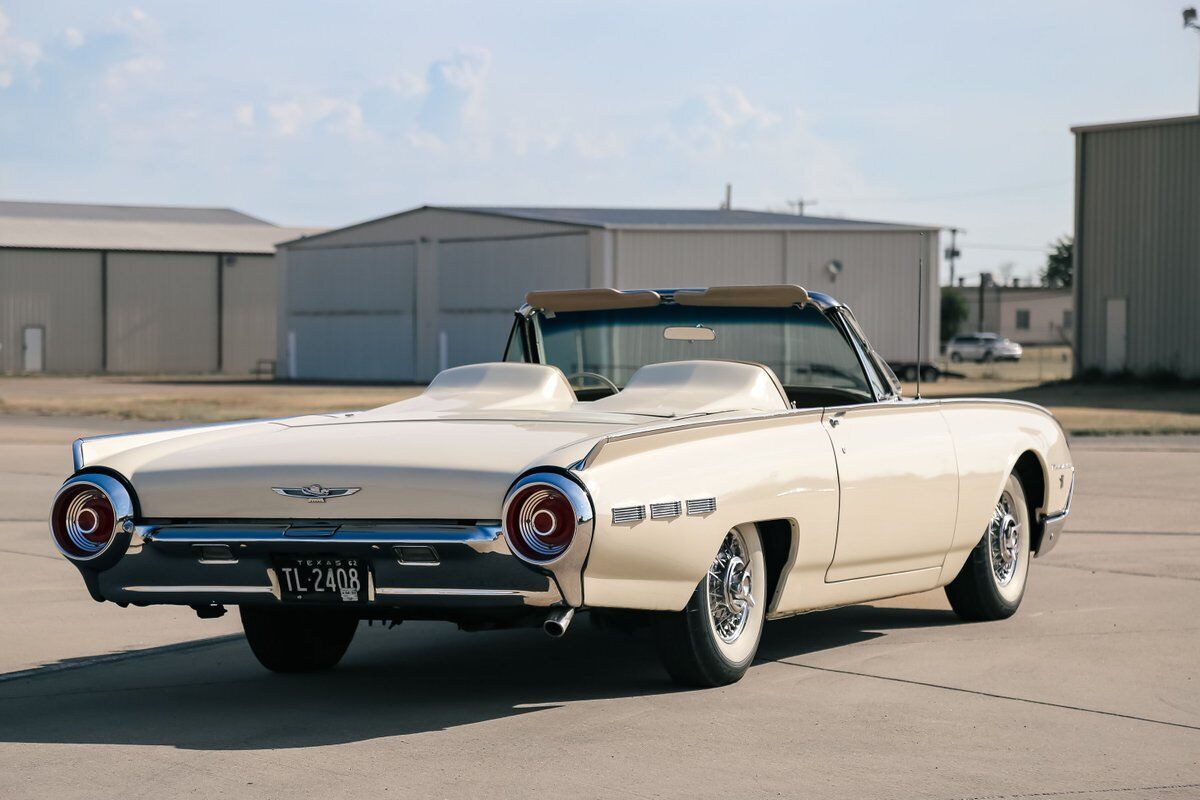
column 417, row 566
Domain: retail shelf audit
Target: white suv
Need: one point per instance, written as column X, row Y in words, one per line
column 982, row 347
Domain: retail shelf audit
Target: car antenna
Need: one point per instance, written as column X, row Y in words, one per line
column 920, row 297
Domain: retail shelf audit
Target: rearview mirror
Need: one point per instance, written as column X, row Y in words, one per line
column 683, row 333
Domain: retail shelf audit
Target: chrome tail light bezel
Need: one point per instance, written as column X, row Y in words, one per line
column 118, row 498
column 567, row 567
column 581, row 508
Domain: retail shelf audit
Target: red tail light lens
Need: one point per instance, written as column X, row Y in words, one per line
column 539, row 521
column 87, row 514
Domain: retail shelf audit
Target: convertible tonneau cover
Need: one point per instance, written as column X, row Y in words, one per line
column 775, row 296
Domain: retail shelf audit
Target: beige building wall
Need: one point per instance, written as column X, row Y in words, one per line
column 1049, row 313
column 1137, row 252
column 248, row 314
column 162, row 313
column 450, row 281
column 60, row 291
column 878, row 276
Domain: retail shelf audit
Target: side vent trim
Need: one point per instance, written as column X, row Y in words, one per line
column 625, row 514
column 666, row 510
column 701, row 506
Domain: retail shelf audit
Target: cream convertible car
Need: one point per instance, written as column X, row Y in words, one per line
column 698, row 461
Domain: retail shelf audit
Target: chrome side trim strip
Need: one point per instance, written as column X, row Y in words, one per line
column 77, row 454
column 406, row 591
column 201, row 589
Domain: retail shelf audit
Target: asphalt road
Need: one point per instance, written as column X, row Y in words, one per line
column 1091, row 691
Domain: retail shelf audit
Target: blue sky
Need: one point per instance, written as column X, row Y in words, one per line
column 955, row 113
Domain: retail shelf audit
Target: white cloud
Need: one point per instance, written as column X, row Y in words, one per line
column 717, row 119
column 453, row 99
column 16, row 54
column 131, row 71
column 244, row 115
column 73, row 37
column 335, row 115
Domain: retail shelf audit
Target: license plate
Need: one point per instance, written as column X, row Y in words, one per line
column 339, row 579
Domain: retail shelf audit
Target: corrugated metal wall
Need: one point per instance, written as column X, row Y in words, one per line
column 350, row 312
column 1138, row 238
column 60, row 291
column 248, row 317
column 481, row 282
column 162, row 312
column 878, row 279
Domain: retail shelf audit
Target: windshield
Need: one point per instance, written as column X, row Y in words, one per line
column 804, row 348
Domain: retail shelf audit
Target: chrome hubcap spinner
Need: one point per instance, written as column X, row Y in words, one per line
column 730, row 589
column 1004, row 538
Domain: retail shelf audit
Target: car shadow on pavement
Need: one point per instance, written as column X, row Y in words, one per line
column 420, row 677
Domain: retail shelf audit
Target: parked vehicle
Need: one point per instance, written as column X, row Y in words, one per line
column 699, row 461
column 982, row 347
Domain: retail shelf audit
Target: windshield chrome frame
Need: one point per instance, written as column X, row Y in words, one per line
column 833, row 310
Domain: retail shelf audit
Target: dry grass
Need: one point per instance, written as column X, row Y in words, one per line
column 1092, row 409
column 1084, row 409
column 199, row 399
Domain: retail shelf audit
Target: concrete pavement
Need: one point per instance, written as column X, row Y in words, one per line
column 1091, row 691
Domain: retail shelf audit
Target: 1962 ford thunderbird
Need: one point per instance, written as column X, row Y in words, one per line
column 699, row 461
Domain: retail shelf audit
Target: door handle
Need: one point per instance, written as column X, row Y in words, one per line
column 834, row 422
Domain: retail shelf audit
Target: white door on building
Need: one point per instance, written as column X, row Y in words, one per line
column 1114, row 334
column 33, row 344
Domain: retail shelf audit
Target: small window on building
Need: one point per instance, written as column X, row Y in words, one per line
column 1022, row 319
column 1068, row 318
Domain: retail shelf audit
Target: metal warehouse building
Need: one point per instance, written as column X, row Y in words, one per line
column 1137, row 247
column 400, row 297
column 96, row 288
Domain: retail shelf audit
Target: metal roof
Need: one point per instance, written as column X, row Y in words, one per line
column 675, row 218
column 1136, row 123
column 73, row 226
column 116, row 213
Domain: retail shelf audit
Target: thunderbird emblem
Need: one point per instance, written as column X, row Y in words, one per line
column 315, row 493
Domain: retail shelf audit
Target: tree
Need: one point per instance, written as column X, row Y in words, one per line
column 954, row 311
column 1059, row 264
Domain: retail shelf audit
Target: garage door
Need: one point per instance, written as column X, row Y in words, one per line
column 162, row 312
column 350, row 312
column 480, row 282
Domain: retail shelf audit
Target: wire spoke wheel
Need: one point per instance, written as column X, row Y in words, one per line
column 1004, row 537
column 730, row 589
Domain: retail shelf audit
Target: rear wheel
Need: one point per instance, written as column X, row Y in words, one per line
column 992, row 582
column 712, row 642
column 297, row 639
column 956, row 357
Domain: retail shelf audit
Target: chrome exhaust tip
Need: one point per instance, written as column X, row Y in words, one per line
column 558, row 621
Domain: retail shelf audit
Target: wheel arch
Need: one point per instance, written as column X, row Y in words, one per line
column 780, row 541
column 1032, row 473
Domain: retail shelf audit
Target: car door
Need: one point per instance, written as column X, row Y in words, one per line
column 898, row 480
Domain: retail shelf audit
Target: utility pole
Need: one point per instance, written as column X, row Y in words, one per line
column 952, row 252
column 728, row 204
column 800, row 203
column 1189, row 19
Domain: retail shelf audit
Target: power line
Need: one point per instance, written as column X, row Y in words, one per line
column 1012, row 247
column 951, row 196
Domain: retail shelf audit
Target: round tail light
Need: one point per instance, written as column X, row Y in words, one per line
column 541, row 514
column 88, row 513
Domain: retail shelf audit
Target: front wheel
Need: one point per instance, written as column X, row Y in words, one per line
column 992, row 582
column 956, row 357
column 297, row 639
column 713, row 640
